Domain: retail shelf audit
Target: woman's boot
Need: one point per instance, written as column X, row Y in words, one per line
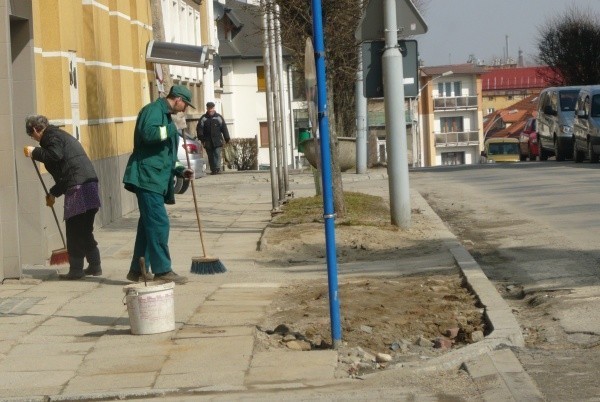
column 75, row 269
column 94, row 268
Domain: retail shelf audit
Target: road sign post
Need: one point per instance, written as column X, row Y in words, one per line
column 381, row 19
column 373, row 71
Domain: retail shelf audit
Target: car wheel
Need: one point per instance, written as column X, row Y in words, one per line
column 594, row 157
column 543, row 152
column 181, row 185
column 522, row 158
column 559, row 151
column 577, row 154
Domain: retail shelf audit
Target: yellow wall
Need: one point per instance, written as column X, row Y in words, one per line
column 500, row 102
column 109, row 38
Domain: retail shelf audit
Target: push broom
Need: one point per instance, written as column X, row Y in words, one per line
column 61, row 255
column 203, row 265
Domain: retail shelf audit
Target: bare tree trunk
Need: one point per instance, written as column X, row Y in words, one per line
column 158, row 34
column 338, row 189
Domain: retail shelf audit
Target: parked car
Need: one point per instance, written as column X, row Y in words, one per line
column 586, row 125
column 197, row 161
column 528, row 141
column 556, row 110
column 501, row 150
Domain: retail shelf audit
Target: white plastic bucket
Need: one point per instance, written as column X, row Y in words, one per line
column 151, row 308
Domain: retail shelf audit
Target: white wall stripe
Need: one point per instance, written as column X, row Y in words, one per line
column 93, row 122
column 92, row 63
column 95, row 4
column 117, row 13
column 120, row 15
column 140, row 23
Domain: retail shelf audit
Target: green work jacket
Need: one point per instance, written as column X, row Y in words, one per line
column 153, row 163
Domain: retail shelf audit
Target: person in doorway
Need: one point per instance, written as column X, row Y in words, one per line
column 75, row 178
column 149, row 174
column 212, row 131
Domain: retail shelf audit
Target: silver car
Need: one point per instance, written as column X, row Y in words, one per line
column 586, row 126
column 556, row 110
column 197, row 161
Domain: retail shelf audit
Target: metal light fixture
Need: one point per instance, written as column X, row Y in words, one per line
column 179, row 54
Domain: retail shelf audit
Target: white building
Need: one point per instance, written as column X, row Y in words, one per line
column 241, row 86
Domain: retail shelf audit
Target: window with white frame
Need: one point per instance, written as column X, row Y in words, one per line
column 451, row 124
column 457, row 88
column 453, row 158
column 182, row 25
column 449, row 89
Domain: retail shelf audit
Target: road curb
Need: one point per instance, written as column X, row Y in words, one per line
column 497, row 313
column 490, row 363
column 500, row 377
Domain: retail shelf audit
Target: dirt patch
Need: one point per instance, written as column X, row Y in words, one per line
column 385, row 320
column 302, row 243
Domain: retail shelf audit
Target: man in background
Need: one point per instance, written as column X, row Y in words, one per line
column 212, row 131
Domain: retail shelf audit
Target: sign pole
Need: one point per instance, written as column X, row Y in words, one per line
column 361, row 113
column 361, row 118
column 395, row 120
column 329, row 213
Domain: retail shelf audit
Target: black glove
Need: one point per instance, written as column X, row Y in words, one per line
column 188, row 173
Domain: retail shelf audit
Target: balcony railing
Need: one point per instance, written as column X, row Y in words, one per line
column 457, row 139
column 455, row 102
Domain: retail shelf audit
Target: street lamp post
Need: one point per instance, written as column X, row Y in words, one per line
column 485, row 133
column 417, row 148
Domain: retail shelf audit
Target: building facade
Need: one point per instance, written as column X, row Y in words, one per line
column 242, row 85
column 83, row 64
column 503, row 87
column 450, row 115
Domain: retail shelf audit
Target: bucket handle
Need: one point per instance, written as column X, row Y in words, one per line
column 130, row 292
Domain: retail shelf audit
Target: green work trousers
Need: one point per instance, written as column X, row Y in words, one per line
column 152, row 239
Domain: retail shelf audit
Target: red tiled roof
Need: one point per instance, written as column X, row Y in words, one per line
column 515, row 117
column 529, row 104
column 515, row 78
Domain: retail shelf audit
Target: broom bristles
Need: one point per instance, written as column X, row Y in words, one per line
column 59, row 257
column 207, row 266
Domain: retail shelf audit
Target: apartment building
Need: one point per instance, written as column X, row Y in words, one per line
column 503, row 87
column 450, row 128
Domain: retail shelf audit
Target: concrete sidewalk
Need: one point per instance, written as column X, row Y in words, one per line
column 72, row 341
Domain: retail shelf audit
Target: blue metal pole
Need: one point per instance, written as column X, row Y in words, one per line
column 329, row 215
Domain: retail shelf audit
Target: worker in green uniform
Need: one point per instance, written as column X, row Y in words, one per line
column 150, row 174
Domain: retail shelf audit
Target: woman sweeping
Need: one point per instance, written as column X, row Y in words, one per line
column 76, row 179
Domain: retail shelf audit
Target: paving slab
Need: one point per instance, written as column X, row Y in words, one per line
column 292, row 366
column 500, row 377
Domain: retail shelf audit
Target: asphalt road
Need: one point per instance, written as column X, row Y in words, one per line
column 533, row 227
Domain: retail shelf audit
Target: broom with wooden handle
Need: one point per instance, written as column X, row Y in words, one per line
column 61, row 255
column 201, row 265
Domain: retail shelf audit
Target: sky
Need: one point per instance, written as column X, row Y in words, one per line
column 459, row 28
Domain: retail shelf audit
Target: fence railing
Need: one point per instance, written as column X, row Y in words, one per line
column 456, row 139
column 455, row 102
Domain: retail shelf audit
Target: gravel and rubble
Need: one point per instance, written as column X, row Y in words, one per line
column 386, row 321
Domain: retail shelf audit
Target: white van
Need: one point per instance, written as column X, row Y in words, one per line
column 556, row 110
column 586, row 125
